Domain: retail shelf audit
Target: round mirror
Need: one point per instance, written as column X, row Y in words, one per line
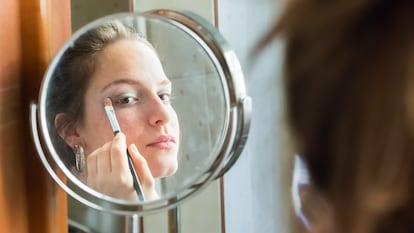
column 139, row 111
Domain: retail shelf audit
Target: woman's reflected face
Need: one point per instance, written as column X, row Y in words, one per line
column 130, row 73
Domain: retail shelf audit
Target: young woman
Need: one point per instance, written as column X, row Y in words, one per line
column 112, row 61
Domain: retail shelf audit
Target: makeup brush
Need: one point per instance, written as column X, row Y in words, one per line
column 110, row 112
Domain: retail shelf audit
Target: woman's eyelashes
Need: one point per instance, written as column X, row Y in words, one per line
column 125, row 99
column 165, row 96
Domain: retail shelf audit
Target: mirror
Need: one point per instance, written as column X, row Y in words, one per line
column 208, row 100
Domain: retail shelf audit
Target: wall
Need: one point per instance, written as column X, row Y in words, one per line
column 87, row 11
column 255, row 189
column 205, row 8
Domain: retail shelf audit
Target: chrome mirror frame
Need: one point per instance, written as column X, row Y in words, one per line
column 234, row 136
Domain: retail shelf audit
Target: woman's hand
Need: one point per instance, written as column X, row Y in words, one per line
column 107, row 171
column 144, row 173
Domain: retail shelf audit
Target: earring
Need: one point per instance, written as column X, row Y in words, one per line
column 79, row 157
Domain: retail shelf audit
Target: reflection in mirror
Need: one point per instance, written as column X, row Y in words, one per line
column 112, row 64
column 152, row 84
column 83, row 12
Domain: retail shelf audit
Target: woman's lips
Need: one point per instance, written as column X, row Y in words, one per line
column 164, row 142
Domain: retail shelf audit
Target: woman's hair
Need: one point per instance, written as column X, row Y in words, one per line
column 349, row 78
column 72, row 76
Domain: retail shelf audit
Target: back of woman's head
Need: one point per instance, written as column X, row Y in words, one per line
column 349, row 78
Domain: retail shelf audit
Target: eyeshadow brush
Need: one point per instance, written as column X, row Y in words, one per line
column 110, row 112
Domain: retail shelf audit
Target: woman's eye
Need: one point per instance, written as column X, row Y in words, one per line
column 165, row 97
column 126, row 100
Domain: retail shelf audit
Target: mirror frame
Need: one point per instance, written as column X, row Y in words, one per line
column 237, row 122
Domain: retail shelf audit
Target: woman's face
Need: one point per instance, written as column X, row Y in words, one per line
column 130, row 73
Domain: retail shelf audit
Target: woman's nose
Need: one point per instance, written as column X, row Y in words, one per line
column 159, row 112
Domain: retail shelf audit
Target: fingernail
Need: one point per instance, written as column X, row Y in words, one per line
column 119, row 135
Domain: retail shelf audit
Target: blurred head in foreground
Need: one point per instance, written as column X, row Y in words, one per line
column 349, row 83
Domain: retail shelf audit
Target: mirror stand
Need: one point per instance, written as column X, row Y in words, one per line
column 132, row 224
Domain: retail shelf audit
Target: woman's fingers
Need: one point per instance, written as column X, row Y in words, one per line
column 144, row 173
column 141, row 165
column 95, row 164
column 108, row 171
column 118, row 154
column 104, row 160
column 120, row 177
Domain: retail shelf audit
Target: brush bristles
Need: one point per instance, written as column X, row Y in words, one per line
column 107, row 102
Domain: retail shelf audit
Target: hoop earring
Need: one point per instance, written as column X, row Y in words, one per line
column 79, row 157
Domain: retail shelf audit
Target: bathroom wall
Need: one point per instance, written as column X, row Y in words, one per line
column 256, row 189
column 84, row 11
column 204, row 8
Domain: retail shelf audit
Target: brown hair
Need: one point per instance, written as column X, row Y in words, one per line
column 348, row 79
column 72, row 76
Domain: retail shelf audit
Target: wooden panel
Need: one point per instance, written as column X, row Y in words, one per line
column 30, row 35
column 45, row 26
column 13, row 208
column 9, row 43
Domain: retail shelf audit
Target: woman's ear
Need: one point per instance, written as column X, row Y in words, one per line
column 68, row 132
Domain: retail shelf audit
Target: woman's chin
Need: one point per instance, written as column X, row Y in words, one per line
column 164, row 170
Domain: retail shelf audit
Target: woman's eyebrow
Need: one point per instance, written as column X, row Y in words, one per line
column 120, row 81
column 165, row 82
